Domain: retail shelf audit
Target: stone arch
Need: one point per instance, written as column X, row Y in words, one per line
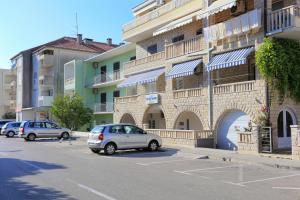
column 154, row 117
column 128, row 118
column 189, row 120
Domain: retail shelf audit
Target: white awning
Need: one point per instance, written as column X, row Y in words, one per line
column 216, row 7
column 178, row 23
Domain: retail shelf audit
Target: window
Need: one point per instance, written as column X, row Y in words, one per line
column 199, row 31
column 98, row 129
column 132, row 58
column 37, row 125
column 179, row 84
column 152, row 49
column 178, row 38
column 116, row 71
column 103, row 73
column 116, row 129
column 133, row 130
column 150, row 88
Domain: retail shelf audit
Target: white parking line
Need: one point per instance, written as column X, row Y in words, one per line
column 267, row 179
column 286, row 188
column 100, row 194
column 163, row 162
column 205, row 169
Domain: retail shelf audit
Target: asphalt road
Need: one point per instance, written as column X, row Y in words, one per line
column 48, row 169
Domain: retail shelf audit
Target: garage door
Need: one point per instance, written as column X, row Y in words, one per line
column 227, row 133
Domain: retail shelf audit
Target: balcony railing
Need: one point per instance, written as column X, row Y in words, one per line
column 284, row 18
column 104, row 78
column 45, row 100
column 46, row 60
column 155, row 14
column 46, row 80
column 195, row 92
column 185, row 47
column 234, row 87
column 127, row 99
column 182, row 134
column 133, row 66
column 103, row 107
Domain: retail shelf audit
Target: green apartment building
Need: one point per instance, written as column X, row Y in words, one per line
column 96, row 80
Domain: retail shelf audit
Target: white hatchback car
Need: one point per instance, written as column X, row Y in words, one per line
column 112, row 137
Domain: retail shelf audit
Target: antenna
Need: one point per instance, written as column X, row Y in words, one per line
column 76, row 24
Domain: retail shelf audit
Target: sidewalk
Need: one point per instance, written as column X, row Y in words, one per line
column 231, row 156
column 270, row 160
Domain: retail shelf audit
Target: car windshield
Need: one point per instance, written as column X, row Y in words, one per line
column 98, row 129
column 5, row 125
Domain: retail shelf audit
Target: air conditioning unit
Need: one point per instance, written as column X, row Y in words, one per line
column 95, row 90
column 239, row 9
column 95, row 65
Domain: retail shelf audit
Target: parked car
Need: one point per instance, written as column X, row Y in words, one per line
column 30, row 130
column 10, row 129
column 112, row 137
column 3, row 122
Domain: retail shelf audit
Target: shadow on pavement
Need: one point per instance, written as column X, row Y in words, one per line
column 54, row 140
column 163, row 152
column 11, row 170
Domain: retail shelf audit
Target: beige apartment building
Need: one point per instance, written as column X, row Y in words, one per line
column 7, row 91
column 194, row 79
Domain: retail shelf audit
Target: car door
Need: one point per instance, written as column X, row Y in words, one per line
column 51, row 129
column 136, row 136
column 39, row 129
column 16, row 127
column 117, row 135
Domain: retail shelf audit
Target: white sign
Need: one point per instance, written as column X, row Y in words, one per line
column 152, row 98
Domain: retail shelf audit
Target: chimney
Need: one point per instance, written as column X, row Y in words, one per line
column 109, row 41
column 79, row 38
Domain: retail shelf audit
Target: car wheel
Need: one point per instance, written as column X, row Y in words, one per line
column 95, row 150
column 65, row 135
column 153, row 145
column 10, row 134
column 31, row 137
column 110, row 149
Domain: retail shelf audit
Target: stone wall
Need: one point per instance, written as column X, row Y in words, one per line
column 295, row 142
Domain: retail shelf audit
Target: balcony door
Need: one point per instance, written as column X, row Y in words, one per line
column 103, row 74
column 116, row 73
column 103, row 102
column 284, row 121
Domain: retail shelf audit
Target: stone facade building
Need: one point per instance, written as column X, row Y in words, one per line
column 195, row 78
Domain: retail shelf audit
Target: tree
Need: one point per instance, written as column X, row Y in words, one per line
column 9, row 115
column 70, row 112
column 278, row 60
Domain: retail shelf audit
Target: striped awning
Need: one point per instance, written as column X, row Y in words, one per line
column 177, row 23
column 215, row 7
column 183, row 69
column 230, row 59
column 142, row 78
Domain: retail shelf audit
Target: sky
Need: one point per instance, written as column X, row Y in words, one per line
column 28, row 23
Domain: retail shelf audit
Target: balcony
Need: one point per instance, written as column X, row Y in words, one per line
column 127, row 99
column 284, row 23
column 153, row 61
column 187, row 93
column 104, row 80
column 103, row 108
column 46, row 80
column 185, row 47
column 69, row 84
column 46, row 60
column 247, row 86
column 143, row 27
column 45, row 101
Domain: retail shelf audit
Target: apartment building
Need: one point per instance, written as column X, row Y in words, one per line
column 96, row 79
column 7, row 91
column 195, row 75
column 40, row 73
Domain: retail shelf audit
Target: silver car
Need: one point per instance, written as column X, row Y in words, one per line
column 112, row 137
column 10, row 129
column 30, row 130
column 3, row 122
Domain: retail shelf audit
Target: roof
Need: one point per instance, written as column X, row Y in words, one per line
column 71, row 43
column 112, row 53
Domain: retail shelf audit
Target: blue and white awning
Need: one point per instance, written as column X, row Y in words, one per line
column 230, row 59
column 183, row 69
column 142, row 78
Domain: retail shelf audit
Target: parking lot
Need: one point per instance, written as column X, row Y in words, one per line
column 68, row 170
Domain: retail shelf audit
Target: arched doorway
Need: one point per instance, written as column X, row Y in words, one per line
column 128, row 119
column 154, row 118
column 188, row 120
column 285, row 119
column 229, row 126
